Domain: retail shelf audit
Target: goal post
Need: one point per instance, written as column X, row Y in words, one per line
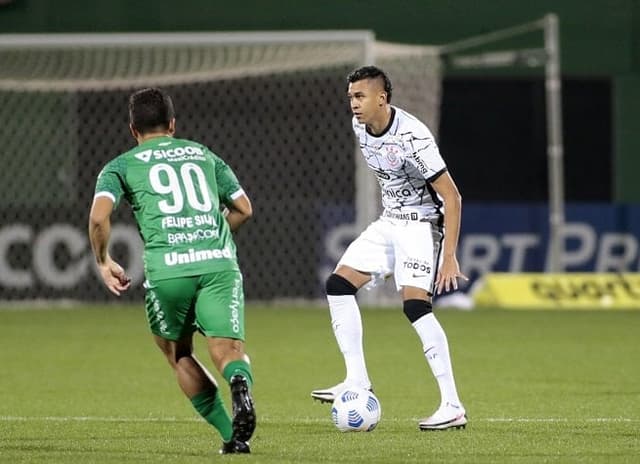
column 70, row 62
column 272, row 104
column 547, row 57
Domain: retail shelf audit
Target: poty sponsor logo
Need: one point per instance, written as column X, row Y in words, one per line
column 158, row 315
column 594, row 288
column 418, row 266
column 560, row 291
column 424, row 170
column 193, row 256
column 144, row 155
column 193, row 236
column 399, row 193
column 381, row 174
column 401, row 216
column 235, row 307
column 170, row 154
column 176, row 152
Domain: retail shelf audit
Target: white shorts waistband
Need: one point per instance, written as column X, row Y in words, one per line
column 408, row 216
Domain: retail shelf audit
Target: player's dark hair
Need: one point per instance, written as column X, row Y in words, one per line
column 371, row 72
column 150, row 109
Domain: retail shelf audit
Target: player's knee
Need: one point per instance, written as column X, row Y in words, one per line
column 337, row 285
column 415, row 309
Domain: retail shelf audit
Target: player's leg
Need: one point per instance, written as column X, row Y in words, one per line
column 229, row 357
column 368, row 254
column 417, row 307
column 169, row 305
column 220, row 317
column 415, row 274
column 346, row 322
column 197, row 384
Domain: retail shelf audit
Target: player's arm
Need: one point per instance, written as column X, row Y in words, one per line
column 238, row 210
column 449, row 272
column 111, row 272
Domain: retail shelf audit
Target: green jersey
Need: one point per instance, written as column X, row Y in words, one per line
column 175, row 188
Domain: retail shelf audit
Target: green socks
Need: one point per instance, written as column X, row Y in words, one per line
column 210, row 406
column 238, row 367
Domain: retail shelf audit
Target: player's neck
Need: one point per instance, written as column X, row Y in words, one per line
column 381, row 123
column 142, row 138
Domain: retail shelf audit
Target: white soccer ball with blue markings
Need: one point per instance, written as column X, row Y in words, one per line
column 356, row 410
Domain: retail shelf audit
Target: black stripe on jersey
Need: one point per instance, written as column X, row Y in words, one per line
column 436, row 175
column 420, row 149
column 419, row 189
column 420, row 164
column 435, row 274
column 413, row 137
column 372, row 159
column 436, row 198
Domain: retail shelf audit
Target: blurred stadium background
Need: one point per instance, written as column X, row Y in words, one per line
column 273, row 106
column 82, row 381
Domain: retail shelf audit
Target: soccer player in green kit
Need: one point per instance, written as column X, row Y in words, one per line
column 186, row 201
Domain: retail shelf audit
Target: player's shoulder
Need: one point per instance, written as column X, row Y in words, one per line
column 195, row 143
column 204, row 149
column 117, row 163
column 408, row 123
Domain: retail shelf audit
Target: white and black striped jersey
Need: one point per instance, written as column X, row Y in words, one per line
column 405, row 159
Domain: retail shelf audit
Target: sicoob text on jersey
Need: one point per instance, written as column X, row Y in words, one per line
column 188, row 153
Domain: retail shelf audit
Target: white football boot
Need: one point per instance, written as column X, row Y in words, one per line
column 327, row 395
column 446, row 417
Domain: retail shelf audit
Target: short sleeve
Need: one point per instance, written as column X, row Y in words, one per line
column 228, row 186
column 425, row 155
column 110, row 181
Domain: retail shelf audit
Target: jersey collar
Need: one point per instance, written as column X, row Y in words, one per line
column 386, row 129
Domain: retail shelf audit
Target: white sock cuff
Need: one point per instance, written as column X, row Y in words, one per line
column 340, row 299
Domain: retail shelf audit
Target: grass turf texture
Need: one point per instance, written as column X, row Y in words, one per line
column 88, row 385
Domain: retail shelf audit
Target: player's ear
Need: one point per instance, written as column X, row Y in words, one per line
column 172, row 126
column 133, row 131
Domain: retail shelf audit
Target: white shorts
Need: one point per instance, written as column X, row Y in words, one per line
column 408, row 250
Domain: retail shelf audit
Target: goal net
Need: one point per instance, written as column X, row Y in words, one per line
column 272, row 105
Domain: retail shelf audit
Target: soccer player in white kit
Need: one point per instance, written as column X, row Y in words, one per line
column 407, row 241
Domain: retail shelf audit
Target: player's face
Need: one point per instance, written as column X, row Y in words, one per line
column 367, row 99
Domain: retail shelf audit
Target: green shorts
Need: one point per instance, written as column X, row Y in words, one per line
column 211, row 303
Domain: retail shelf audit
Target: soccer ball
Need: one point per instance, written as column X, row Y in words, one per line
column 356, row 410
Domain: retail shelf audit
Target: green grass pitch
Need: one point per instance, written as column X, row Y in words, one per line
column 87, row 385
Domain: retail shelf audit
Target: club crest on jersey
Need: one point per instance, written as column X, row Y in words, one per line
column 392, row 156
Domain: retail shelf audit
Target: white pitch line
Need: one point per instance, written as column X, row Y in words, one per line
column 93, row 419
column 557, row 419
column 308, row 419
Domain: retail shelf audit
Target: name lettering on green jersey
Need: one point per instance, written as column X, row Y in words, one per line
column 180, row 222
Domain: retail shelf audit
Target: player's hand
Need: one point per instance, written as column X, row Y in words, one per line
column 114, row 277
column 448, row 275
